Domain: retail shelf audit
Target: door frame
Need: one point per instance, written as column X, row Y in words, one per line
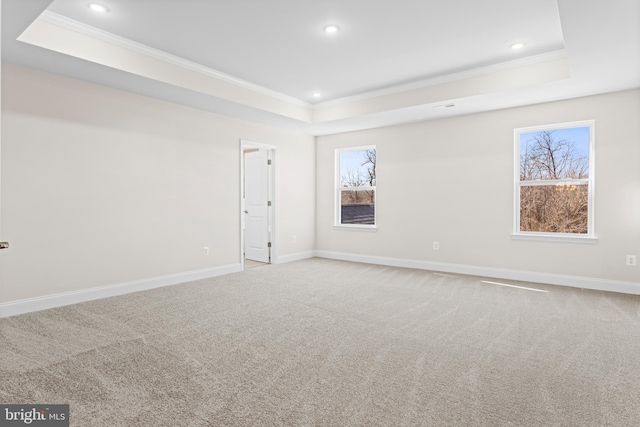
column 246, row 144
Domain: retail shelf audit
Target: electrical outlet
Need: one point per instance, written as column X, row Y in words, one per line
column 436, row 246
column 631, row 261
column 295, row 239
column 206, row 251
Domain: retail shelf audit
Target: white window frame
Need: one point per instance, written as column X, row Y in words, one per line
column 590, row 236
column 338, row 191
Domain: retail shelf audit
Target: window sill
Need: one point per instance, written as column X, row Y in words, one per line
column 356, row 227
column 555, row 237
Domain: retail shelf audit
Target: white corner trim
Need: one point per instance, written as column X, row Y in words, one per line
column 295, row 257
column 13, row 308
column 105, row 36
column 498, row 273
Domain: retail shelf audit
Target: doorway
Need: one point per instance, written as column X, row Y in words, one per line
column 258, row 203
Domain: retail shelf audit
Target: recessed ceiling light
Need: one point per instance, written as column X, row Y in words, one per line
column 98, row 8
column 518, row 45
column 317, row 95
column 331, row 29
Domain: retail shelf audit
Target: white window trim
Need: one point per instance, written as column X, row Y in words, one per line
column 590, row 236
column 337, row 192
column 356, row 227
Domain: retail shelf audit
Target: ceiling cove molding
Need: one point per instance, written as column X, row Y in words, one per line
column 502, row 81
column 105, row 36
column 475, row 72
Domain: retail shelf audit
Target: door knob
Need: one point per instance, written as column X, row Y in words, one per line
column 4, row 245
column 246, row 211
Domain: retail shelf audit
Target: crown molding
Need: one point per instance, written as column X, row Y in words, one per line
column 432, row 81
column 88, row 30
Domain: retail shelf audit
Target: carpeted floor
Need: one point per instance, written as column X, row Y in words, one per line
column 330, row 343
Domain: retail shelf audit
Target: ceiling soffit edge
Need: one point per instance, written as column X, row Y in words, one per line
column 424, row 92
column 73, row 43
column 484, row 84
column 88, row 30
column 433, row 81
column 82, row 28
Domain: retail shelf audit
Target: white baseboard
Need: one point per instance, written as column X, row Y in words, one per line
column 295, row 257
column 66, row 298
column 13, row 308
column 498, row 273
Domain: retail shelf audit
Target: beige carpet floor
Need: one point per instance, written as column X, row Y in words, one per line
column 329, row 343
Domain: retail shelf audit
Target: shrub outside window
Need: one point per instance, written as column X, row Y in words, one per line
column 554, row 171
column 356, row 187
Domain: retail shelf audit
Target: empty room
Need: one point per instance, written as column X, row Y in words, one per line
column 320, row 213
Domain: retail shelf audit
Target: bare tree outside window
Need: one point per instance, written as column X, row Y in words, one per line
column 370, row 162
column 357, row 186
column 554, row 180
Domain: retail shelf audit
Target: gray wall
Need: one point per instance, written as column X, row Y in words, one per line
column 102, row 187
column 451, row 181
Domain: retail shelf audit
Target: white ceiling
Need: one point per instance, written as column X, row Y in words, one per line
column 281, row 44
column 391, row 62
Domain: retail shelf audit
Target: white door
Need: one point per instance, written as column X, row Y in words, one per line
column 256, row 190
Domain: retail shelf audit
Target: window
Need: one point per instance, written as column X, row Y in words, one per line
column 554, row 181
column 356, row 187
